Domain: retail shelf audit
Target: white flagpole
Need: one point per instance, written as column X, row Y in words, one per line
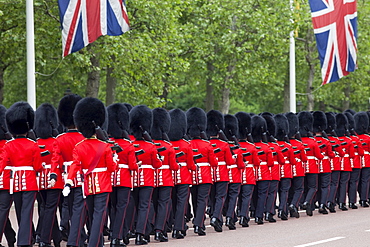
column 292, row 77
column 31, row 82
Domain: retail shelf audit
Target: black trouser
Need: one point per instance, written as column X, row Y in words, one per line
column 199, row 195
column 353, row 184
column 262, row 190
column 363, row 187
column 66, row 211
column 271, row 197
column 284, row 187
column 48, row 227
column 343, row 186
column 220, row 197
column 182, row 199
column 296, row 190
column 119, row 198
column 233, row 193
column 98, row 204
column 312, row 183
column 142, row 197
column 334, row 182
column 77, row 233
column 6, row 201
column 24, row 202
column 246, row 193
column 325, row 179
column 161, row 199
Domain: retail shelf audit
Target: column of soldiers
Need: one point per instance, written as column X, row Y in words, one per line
column 132, row 172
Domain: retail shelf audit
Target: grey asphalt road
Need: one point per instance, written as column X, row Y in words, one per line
column 342, row 229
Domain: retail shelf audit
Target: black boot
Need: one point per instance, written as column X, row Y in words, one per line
column 293, row 210
column 352, row 205
column 259, row 220
column 139, row 239
column 216, row 224
column 307, row 207
column 244, row 221
column 322, row 209
column 270, row 218
column 230, row 223
column 331, row 207
column 282, row 215
column 364, row 204
column 177, row 234
column 159, row 236
column 117, row 243
column 342, row 206
column 252, row 214
column 199, row 230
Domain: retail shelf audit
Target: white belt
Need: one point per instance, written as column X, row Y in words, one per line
column 164, row 167
column 146, row 167
column 123, row 166
column 19, row 168
column 276, row 163
column 366, row 152
column 249, row 166
column 326, row 157
column 99, row 169
column 67, row 163
column 356, row 153
column 232, row 166
column 263, row 163
column 203, row 164
column 311, row 157
column 346, row 155
column 182, row 164
column 222, row 163
column 287, row 162
column 47, row 166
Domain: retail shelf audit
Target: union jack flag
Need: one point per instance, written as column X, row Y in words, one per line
column 83, row 21
column 335, row 27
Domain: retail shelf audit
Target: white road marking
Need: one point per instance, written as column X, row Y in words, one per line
column 367, row 230
column 319, row 242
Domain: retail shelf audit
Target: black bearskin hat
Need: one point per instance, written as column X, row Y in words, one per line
column 231, row 126
column 342, row 124
column 368, row 114
column 352, row 112
column 351, row 120
column 293, row 123
column 259, row 126
column 270, row 121
column 332, row 124
column 282, row 126
column 178, row 125
column 87, row 112
column 20, row 118
column 161, row 123
column 3, row 127
column 141, row 119
column 119, row 120
column 128, row 106
column 361, row 122
column 197, row 121
column 320, row 122
column 65, row 109
column 215, row 122
column 244, row 124
column 46, row 120
column 305, row 119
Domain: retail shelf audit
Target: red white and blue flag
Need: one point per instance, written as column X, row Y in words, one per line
column 335, row 27
column 83, row 21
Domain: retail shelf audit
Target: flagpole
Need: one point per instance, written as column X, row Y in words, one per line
column 292, row 76
column 31, row 82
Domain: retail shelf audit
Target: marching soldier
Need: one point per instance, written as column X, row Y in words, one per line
column 118, row 126
column 93, row 159
column 22, row 156
column 46, row 121
column 202, row 177
column 182, row 177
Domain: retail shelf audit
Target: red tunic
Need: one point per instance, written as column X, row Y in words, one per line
column 203, row 174
column 186, row 162
column 149, row 161
column 5, row 176
column 224, row 157
column 96, row 179
column 267, row 161
column 62, row 155
column 44, row 177
column 235, row 169
column 248, row 175
column 327, row 152
column 338, row 153
column 169, row 164
column 365, row 142
column 126, row 161
column 300, row 157
column 349, row 150
column 22, row 156
column 279, row 161
column 313, row 154
column 286, row 170
column 359, row 152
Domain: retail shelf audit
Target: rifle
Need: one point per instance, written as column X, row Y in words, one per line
column 102, row 135
column 323, row 133
column 203, row 134
column 145, row 134
column 264, row 136
column 298, row 136
column 221, row 134
column 7, row 134
column 54, row 131
column 124, row 132
column 249, row 136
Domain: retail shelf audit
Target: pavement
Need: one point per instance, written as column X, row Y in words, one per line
column 341, row 229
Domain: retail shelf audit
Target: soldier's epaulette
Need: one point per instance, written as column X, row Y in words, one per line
column 195, row 150
column 243, row 149
column 42, row 146
column 297, row 151
column 274, row 153
column 246, row 154
column 305, row 144
column 341, row 139
column 139, row 152
column 344, row 143
column 294, row 147
column 332, row 141
column 231, row 142
column 217, row 150
column 319, row 141
column 284, row 150
column 282, row 145
column 214, row 145
column 157, row 144
column 364, row 144
column 257, row 147
column 161, row 149
column 179, row 154
column 234, row 147
column 307, row 149
column 176, row 148
column 261, row 152
column 354, row 142
column 272, row 148
column 136, row 145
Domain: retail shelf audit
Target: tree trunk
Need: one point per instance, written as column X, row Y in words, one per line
column 93, row 77
column 347, row 94
column 311, row 59
column 210, row 100
column 309, row 89
column 2, row 84
column 111, row 84
column 225, row 100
